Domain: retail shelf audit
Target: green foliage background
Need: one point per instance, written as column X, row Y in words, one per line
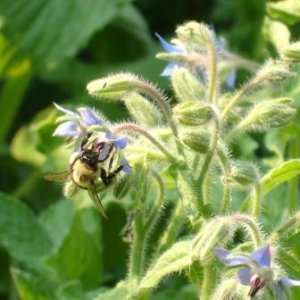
column 49, row 50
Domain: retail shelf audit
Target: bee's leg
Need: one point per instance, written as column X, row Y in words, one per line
column 85, row 140
column 107, row 178
column 104, row 177
column 113, row 174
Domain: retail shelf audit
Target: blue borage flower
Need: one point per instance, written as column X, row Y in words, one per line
column 75, row 124
column 180, row 50
column 256, row 270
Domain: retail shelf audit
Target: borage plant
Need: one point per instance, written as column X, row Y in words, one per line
column 179, row 157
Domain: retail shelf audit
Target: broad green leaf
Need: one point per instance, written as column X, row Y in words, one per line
column 20, row 232
column 72, row 290
column 131, row 20
column 49, row 31
column 23, row 147
column 283, row 173
column 277, row 33
column 117, row 293
column 33, row 285
column 79, row 255
column 287, row 11
column 12, row 95
column 57, row 221
column 176, row 259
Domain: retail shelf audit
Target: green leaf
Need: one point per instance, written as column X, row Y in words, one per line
column 131, row 20
column 117, row 293
column 176, row 259
column 49, row 31
column 20, row 232
column 79, row 255
column 286, row 11
column 283, row 173
column 35, row 282
column 277, row 33
column 57, row 221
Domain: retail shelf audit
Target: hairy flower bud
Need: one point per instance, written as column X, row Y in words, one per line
column 292, row 52
column 193, row 113
column 195, row 32
column 269, row 114
column 244, row 173
column 186, row 86
column 112, row 87
column 142, row 110
column 197, row 140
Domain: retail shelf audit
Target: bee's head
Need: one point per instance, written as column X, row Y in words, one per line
column 90, row 157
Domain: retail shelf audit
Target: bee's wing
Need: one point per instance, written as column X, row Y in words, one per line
column 94, row 196
column 60, row 177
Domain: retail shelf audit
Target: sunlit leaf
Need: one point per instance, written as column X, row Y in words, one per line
column 20, row 232
column 287, row 11
column 49, row 31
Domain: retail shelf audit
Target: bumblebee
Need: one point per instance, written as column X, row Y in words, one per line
column 94, row 161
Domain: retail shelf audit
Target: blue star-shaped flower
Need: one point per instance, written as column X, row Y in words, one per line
column 255, row 270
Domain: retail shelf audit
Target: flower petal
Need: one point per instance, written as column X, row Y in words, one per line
column 66, row 111
column 288, row 281
column 279, row 290
column 230, row 81
column 120, row 141
column 89, row 116
column 169, row 69
column 68, row 129
column 262, row 256
column 244, row 275
column 170, row 48
column 126, row 167
column 223, row 254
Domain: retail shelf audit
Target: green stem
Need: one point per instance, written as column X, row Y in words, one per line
column 11, row 98
column 293, row 188
column 209, row 155
column 135, row 128
column 161, row 101
column 212, row 82
column 209, row 278
column 137, row 251
column 252, row 228
column 172, row 229
column 226, row 186
column 235, row 99
column 256, row 204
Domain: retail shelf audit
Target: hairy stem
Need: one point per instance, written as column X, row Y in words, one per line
column 256, row 204
column 293, row 187
column 209, row 155
column 209, row 277
column 135, row 128
column 174, row 224
column 212, row 82
column 160, row 100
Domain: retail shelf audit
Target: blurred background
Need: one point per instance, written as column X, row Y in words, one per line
column 49, row 51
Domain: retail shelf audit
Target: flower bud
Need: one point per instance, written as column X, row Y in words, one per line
column 186, row 86
column 195, row 32
column 269, row 114
column 193, row 113
column 244, row 173
column 292, row 52
column 272, row 71
column 142, row 110
column 197, row 140
column 112, row 87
